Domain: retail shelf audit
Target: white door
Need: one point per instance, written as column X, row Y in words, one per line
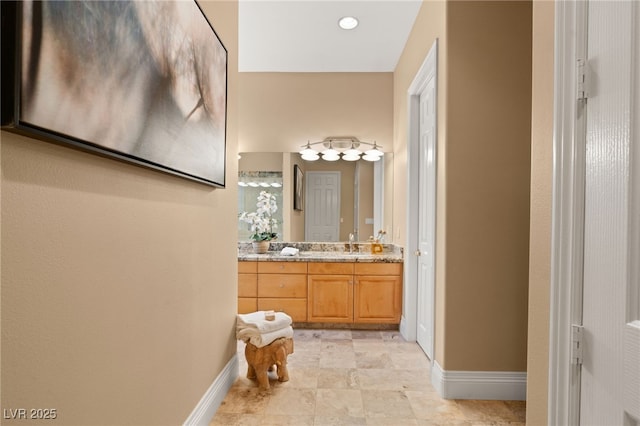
column 322, row 206
column 610, row 379
column 427, row 218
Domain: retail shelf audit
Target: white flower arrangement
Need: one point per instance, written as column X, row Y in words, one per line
column 262, row 224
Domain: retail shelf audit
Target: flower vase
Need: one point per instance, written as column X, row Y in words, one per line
column 260, row 247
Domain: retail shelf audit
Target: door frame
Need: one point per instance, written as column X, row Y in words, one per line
column 567, row 216
column 408, row 322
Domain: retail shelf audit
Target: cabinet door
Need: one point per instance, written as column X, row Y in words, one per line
column 330, row 298
column 247, row 305
column 295, row 308
column 377, row 299
column 247, row 285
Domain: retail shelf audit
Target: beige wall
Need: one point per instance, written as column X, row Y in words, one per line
column 279, row 112
column 484, row 106
column 541, row 202
column 118, row 282
column 487, row 205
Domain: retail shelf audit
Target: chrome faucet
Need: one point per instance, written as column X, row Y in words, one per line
column 351, row 240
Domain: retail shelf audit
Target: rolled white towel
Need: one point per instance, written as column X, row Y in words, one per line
column 289, row 251
column 257, row 321
column 261, row 340
column 250, row 333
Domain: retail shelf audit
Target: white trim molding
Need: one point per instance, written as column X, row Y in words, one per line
column 567, row 213
column 492, row 385
column 428, row 69
column 213, row 397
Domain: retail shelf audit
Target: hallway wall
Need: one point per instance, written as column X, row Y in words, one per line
column 118, row 282
column 484, row 107
column 281, row 111
column 487, row 195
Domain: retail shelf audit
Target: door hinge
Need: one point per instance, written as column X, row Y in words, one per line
column 577, row 332
column 583, row 80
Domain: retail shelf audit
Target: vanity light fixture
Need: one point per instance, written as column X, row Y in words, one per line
column 351, row 154
column 347, row 148
column 330, row 154
column 375, row 151
column 309, row 154
column 350, row 157
column 353, row 151
column 331, row 157
column 310, row 157
column 348, row 22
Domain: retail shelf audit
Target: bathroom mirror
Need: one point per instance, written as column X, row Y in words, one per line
column 363, row 185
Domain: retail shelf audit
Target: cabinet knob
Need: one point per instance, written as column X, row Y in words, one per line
column 418, row 253
column 281, row 285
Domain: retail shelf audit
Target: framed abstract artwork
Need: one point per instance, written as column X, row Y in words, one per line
column 298, row 188
column 140, row 81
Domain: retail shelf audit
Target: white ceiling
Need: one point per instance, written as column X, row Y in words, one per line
column 303, row 35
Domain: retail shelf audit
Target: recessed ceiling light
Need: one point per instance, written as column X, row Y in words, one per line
column 348, row 22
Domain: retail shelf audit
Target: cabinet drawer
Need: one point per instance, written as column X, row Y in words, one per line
column 331, row 268
column 247, row 285
column 276, row 285
column 247, row 267
column 282, row 267
column 378, row 269
column 247, row 305
column 295, row 308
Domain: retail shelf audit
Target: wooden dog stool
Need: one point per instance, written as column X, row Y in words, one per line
column 261, row 360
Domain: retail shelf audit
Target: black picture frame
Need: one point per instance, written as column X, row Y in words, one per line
column 142, row 82
column 298, row 188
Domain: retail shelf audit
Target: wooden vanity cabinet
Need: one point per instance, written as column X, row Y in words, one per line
column 247, row 287
column 377, row 293
column 323, row 292
column 282, row 286
column 360, row 293
column 330, row 297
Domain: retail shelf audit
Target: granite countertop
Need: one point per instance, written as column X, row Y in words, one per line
column 310, row 256
column 323, row 252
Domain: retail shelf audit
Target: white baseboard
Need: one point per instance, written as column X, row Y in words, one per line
column 213, row 397
column 495, row 385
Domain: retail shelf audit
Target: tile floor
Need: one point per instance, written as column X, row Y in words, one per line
column 349, row 377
